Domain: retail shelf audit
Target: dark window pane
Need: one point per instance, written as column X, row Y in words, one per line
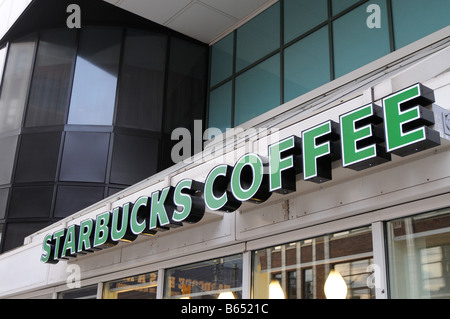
column 96, row 72
column 257, row 90
column 186, row 88
column 15, row 84
column 142, row 81
column 222, row 59
column 71, row 199
column 8, row 147
column 114, row 190
column 31, row 202
column 220, row 101
column 85, row 156
column 341, row 5
column 81, row 293
column 433, row 15
column 51, row 78
column 355, row 44
column 16, row 233
column 3, row 201
column 258, row 37
column 301, row 16
column 38, row 157
column 307, row 64
column 134, row 159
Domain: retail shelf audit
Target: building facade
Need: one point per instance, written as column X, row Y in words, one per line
column 324, row 170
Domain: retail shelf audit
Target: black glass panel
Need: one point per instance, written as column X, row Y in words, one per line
column 186, row 95
column 31, row 202
column 85, row 157
column 141, row 90
column 8, row 147
column 95, row 81
column 16, row 233
column 71, row 199
column 3, row 201
column 51, row 78
column 38, row 157
column 134, row 159
column 15, row 84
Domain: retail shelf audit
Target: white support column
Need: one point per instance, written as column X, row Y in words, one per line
column 160, row 286
column 380, row 261
column 246, row 275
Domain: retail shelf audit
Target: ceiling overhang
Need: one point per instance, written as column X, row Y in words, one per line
column 204, row 20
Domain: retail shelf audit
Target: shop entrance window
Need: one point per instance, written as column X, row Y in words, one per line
column 212, row 279
column 338, row 265
column 419, row 256
column 136, row 287
column 89, row 292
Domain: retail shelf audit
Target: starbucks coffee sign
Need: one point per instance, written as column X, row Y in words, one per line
column 365, row 137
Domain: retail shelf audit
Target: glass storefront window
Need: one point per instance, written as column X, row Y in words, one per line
column 135, row 287
column 89, row 292
column 419, row 256
column 212, row 279
column 315, row 268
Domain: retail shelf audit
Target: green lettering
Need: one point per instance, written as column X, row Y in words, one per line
column 318, row 152
column 406, row 121
column 70, row 242
column 48, row 250
column 289, row 165
column 85, row 240
column 158, row 214
column 247, row 177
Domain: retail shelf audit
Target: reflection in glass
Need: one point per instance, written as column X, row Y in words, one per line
column 302, row 268
column 205, row 280
column 15, row 85
column 51, row 78
column 135, row 287
column 419, row 256
column 301, row 16
column 95, row 81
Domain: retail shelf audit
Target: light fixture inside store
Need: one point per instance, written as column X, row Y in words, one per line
column 335, row 286
column 226, row 295
column 275, row 290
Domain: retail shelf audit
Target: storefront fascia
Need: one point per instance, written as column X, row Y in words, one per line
column 401, row 187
